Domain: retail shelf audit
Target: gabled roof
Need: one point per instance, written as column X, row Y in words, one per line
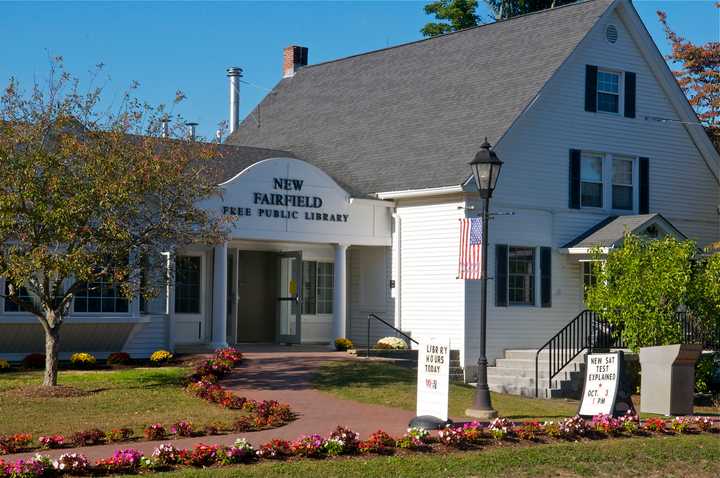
column 611, row 231
column 234, row 159
column 412, row 116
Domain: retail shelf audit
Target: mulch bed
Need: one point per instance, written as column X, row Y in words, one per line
column 41, row 391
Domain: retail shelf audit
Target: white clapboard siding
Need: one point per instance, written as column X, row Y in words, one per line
column 148, row 337
column 369, row 281
column 534, row 185
column 431, row 297
column 536, row 149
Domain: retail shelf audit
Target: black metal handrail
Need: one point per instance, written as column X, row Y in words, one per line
column 586, row 331
column 372, row 316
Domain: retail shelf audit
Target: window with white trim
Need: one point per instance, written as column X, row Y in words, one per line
column 325, row 287
column 608, row 181
column 23, row 295
column 100, row 296
column 521, row 275
column 622, row 182
column 318, row 287
column 188, row 284
column 608, row 91
column 589, row 277
column 591, row 180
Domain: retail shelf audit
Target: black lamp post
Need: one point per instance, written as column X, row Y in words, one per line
column 486, row 169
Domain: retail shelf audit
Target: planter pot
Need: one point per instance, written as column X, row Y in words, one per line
column 667, row 385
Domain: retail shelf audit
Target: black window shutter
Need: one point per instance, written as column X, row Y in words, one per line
column 591, row 88
column 630, row 87
column 501, row 277
column 574, row 197
column 644, row 167
column 546, row 277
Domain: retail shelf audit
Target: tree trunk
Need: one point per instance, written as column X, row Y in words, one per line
column 52, row 350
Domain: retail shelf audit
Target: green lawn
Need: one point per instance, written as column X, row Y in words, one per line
column 394, row 386
column 679, row 456
column 131, row 397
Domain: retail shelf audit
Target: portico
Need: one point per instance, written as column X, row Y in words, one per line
column 282, row 274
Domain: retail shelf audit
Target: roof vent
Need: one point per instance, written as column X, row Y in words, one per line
column 611, row 33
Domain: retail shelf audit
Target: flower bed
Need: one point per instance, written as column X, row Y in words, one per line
column 202, row 383
column 346, row 442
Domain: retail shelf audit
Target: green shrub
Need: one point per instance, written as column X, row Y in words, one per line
column 4, row 366
column 706, row 374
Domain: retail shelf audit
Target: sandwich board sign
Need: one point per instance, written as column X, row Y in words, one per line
column 433, row 378
column 605, row 386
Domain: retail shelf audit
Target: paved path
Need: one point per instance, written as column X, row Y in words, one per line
column 285, row 376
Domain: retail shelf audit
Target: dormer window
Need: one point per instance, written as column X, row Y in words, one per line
column 608, row 91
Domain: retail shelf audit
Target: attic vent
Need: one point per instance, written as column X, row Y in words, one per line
column 611, row 33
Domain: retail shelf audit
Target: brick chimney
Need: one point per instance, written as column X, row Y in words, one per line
column 294, row 58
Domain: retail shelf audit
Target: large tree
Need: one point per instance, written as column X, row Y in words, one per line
column 89, row 193
column 698, row 73
column 504, row 9
column 455, row 15
column 458, row 14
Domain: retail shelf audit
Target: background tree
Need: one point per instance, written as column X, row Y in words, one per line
column 698, row 74
column 640, row 287
column 88, row 195
column 458, row 14
column 504, row 9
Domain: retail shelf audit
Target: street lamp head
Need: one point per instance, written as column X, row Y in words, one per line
column 486, row 169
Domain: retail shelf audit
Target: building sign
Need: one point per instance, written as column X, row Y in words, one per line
column 604, row 390
column 433, row 378
column 286, row 193
column 290, row 200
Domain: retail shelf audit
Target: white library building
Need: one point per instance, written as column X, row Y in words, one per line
column 347, row 184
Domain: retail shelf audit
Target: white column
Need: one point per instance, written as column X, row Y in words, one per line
column 339, row 292
column 170, row 299
column 219, row 319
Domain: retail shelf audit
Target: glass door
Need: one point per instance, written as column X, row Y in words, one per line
column 290, row 298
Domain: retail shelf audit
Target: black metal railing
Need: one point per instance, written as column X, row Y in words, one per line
column 397, row 331
column 586, row 331
column 589, row 332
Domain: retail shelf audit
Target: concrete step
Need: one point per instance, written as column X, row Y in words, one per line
column 530, row 364
column 530, row 372
column 529, row 354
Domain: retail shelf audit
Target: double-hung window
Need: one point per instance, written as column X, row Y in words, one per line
column 23, row 295
column 591, row 177
column 608, row 91
column 318, row 287
column 100, row 296
column 608, row 181
column 622, row 182
column 589, row 277
column 188, row 285
column 521, row 275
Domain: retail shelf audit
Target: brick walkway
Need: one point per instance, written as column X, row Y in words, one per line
column 282, row 375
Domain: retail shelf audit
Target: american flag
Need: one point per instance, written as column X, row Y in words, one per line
column 469, row 266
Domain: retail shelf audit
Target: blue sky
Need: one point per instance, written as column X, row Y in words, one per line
column 187, row 45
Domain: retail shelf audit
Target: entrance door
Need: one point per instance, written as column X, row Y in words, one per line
column 290, row 297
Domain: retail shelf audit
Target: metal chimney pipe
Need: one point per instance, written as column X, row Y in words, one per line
column 165, row 127
column 192, row 130
column 234, row 73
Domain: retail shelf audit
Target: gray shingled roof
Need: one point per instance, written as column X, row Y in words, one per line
column 611, row 230
column 412, row 116
column 233, row 159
